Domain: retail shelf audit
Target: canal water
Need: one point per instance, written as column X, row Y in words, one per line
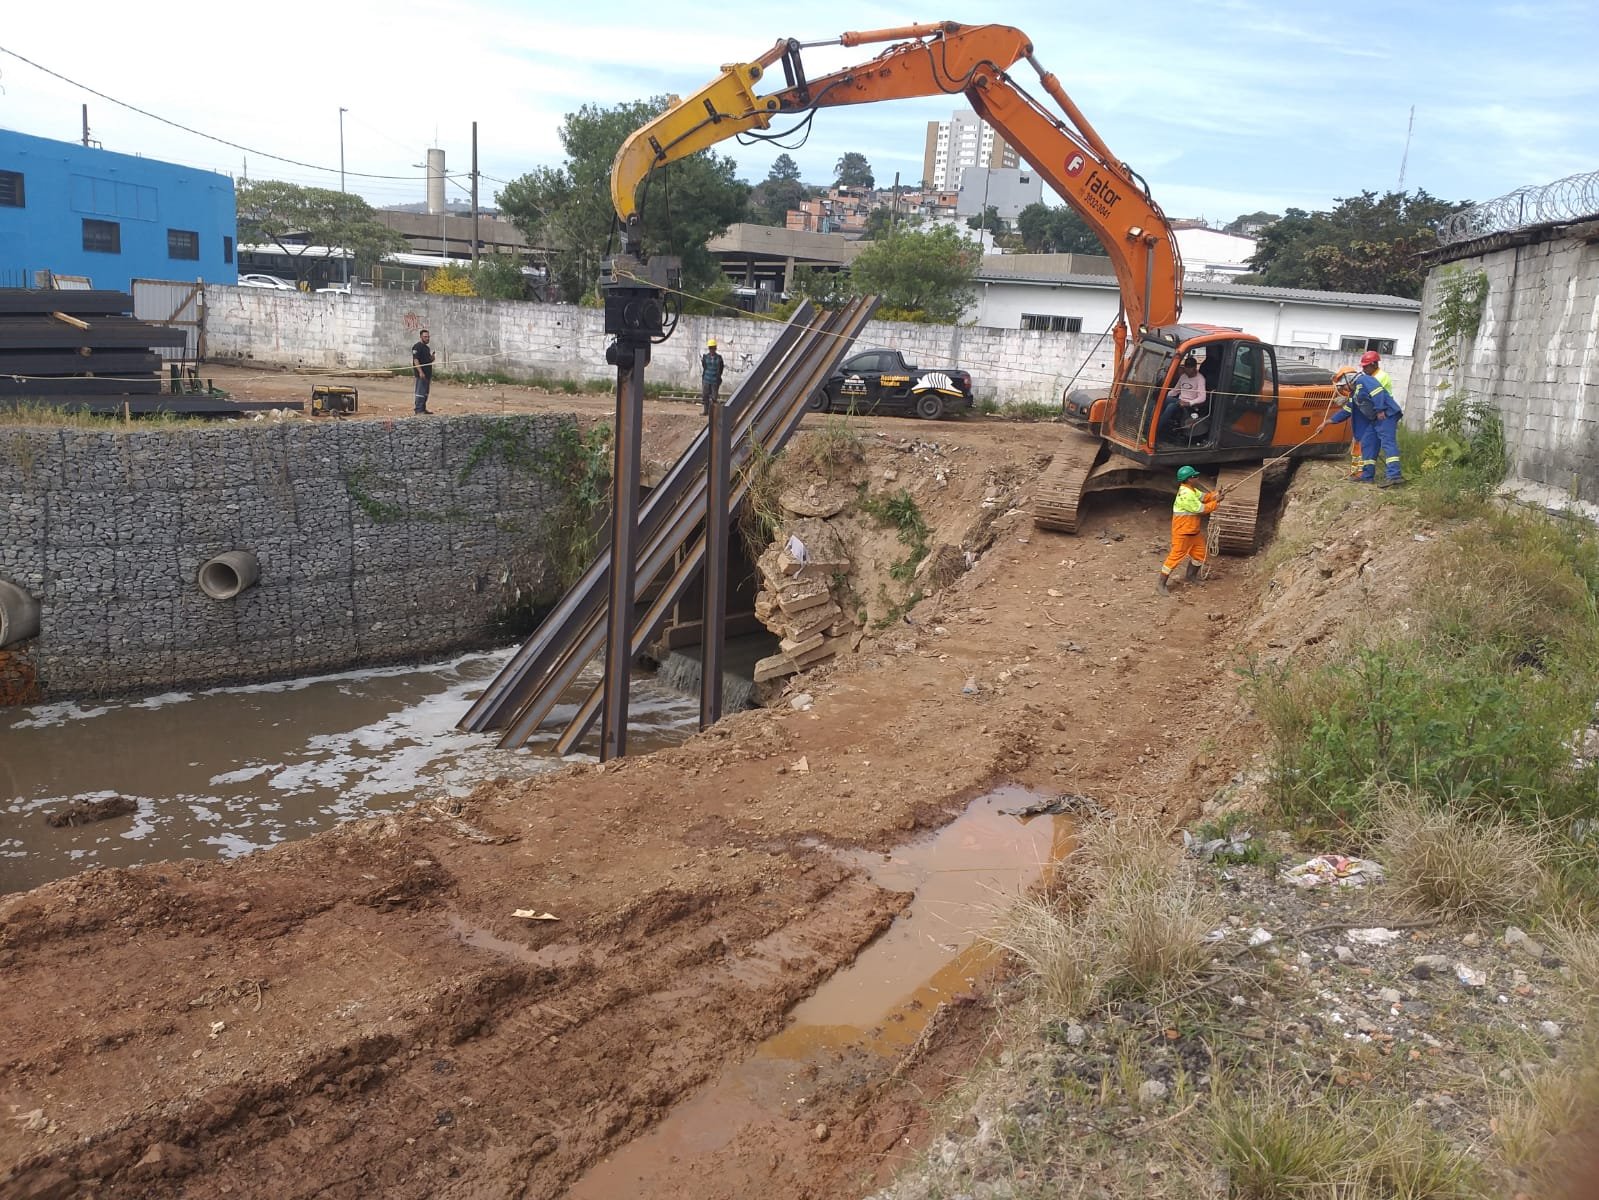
column 221, row 772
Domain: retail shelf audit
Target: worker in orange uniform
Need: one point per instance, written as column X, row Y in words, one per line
column 1188, row 511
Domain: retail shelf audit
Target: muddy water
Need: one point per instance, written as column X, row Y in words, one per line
column 963, row 877
column 219, row 773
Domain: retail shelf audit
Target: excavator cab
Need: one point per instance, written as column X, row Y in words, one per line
column 1239, row 412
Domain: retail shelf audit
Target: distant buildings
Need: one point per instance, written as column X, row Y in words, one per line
column 965, row 140
column 78, row 210
column 1006, row 189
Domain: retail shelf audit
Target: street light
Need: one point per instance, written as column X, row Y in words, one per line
column 344, row 261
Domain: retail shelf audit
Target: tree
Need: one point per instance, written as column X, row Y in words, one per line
column 989, row 220
column 784, row 167
column 780, row 191
column 931, row 273
column 683, row 204
column 853, row 171
column 880, row 221
column 1250, row 224
column 499, row 277
column 292, row 217
column 1047, row 230
column 1367, row 243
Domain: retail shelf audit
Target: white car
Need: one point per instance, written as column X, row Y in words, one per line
column 267, row 281
column 342, row 289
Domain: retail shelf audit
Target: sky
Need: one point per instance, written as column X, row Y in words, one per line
column 1225, row 108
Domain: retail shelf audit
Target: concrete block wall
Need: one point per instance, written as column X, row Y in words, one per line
column 376, row 542
column 373, row 330
column 1535, row 355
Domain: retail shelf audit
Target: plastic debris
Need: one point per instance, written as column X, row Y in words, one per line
column 1336, row 869
column 1470, row 976
column 1260, row 937
column 530, row 914
column 1375, row 936
column 970, row 688
column 1236, row 843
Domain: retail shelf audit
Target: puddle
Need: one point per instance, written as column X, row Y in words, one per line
column 962, row 877
column 226, row 771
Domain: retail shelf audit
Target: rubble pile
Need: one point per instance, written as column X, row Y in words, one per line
column 803, row 597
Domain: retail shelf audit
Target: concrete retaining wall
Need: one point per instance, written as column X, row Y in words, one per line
column 1535, row 354
column 375, row 541
column 376, row 329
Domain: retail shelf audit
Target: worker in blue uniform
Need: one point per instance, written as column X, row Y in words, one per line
column 1375, row 404
column 1364, row 459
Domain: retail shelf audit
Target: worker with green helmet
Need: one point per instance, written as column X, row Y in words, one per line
column 1188, row 513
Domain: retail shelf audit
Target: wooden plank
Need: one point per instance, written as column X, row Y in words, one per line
column 65, row 319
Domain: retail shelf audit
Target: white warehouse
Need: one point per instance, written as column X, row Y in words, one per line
column 1332, row 321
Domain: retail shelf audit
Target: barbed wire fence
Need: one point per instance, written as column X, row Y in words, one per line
column 1570, row 199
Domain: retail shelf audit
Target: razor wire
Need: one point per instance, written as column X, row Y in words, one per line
column 1570, row 199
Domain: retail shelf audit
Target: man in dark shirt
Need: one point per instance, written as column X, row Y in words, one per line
column 711, row 366
column 422, row 367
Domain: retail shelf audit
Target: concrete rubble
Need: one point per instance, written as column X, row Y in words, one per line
column 804, row 591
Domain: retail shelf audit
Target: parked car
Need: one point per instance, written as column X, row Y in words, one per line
column 343, row 289
column 881, row 381
column 267, row 281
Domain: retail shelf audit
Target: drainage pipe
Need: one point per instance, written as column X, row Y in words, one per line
column 228, row 574
column 19, row 614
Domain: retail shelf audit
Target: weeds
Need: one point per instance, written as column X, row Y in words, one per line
column 760, row 515
column 900, row 510
column 1275, row 1148
column 1021, row 410
column 1124, row 920
column 834, row 446
column 1443, row 862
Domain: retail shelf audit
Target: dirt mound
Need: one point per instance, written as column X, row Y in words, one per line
column 363, row 1013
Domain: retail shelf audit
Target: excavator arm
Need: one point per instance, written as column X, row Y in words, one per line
column 945, row 58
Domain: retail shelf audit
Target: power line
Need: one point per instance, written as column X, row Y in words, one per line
column 189, row 129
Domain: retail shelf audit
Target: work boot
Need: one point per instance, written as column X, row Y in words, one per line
column 1161, row 586
column 1193, row 572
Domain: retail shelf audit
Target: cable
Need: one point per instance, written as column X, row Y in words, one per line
column 293, row 162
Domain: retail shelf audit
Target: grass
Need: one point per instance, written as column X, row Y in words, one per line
column 900, row 510
column 1444, row 862
column 1275, row 1146
column 1124, row 918
column 26, row 415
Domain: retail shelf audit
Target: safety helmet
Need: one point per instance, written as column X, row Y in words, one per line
column 1370, row 357
column 710, row 343
column 1184, row 474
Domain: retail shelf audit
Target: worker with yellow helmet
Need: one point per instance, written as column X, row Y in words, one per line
column 711, row 366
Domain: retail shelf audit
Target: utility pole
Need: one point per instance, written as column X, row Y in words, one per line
column 474, row 193
column 85, row 124
column 893, row 206
column 344, row 258
column 1405, row 159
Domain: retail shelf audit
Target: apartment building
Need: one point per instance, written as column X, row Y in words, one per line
column 965, row 140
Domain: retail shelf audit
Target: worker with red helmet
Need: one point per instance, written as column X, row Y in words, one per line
column 1374, row 400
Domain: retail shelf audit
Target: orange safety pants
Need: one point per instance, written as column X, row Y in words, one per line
column 1187, row 541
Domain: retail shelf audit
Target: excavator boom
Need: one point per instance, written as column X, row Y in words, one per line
column 943, row 58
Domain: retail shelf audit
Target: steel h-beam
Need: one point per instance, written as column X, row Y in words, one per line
column 718, row 480
column 624, row 528
column 635, row 315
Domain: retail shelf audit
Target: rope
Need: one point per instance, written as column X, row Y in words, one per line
column 1212, row 537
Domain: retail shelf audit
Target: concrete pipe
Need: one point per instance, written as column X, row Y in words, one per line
column 228, row 574
column 19, row 614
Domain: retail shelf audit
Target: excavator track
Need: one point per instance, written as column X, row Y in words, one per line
column 1060, row 488
column 1237, row 517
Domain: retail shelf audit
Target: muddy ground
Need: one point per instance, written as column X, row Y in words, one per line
column 361, row 1014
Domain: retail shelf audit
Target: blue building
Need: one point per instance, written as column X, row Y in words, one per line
column 78, row 210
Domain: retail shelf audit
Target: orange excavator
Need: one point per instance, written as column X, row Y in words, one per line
column 1253, row 410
